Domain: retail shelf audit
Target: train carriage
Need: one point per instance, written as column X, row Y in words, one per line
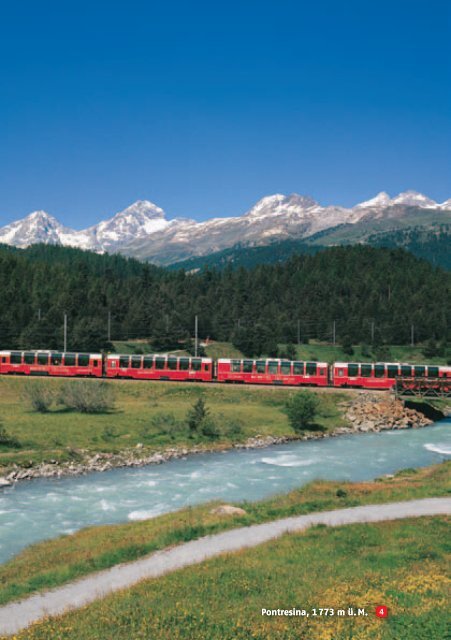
column 273, row 371
column 383, row 375
column 159, row 367
column 51, row 363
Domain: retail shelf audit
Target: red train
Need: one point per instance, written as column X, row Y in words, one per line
column 51, row 363
column 271, row 371
column 382, row 375
column 159, row 367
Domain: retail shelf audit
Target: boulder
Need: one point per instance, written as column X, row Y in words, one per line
column 4, row 482
column 228, row 510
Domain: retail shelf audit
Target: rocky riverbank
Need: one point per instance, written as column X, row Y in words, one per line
column 366, row 413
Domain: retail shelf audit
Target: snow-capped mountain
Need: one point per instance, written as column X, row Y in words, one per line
column 38, row 226
column 139, row 220
column 142, row 229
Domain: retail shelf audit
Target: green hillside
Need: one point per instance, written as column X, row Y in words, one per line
column 361, row 293
column 430, row 243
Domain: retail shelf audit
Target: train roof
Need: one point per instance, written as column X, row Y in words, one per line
column 156, row 355
column 324, row 364
column 50, row 351
column 393, row 364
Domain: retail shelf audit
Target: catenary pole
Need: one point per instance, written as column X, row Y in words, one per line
column 65, row 332
column 195, row 335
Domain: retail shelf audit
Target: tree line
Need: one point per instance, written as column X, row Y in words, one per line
column 355, row 294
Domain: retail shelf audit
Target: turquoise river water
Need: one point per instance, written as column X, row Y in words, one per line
column 45, row 508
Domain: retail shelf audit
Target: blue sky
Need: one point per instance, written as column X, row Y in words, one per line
column 203, row 108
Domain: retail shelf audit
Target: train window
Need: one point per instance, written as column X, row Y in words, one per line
column 184, row 364
column 379, row 370
column 148, row 362
column 43, row 358
column 29, row 357
column 160, row 363
column 56, row 359
column 247, row 366
column 136, row 362
column 69, row 359
column 16, row 357
column 83, row 359
column 285, row 368
column 196, row 364
column 236, row 366
column 261, row 366
column 419, row 372
column 406, row 370
column 311, row 368
column 433, row 372
column 124, row 362
column 273, row 367
column 353, row 370
column 392, row 371
column 298, row 368
column 366, row 370
column 172, row 364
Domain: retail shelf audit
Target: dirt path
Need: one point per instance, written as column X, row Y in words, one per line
column 17, row 616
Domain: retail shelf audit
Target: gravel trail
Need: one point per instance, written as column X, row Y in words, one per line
column 18, row 615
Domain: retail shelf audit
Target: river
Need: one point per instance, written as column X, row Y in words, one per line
column 45, row 508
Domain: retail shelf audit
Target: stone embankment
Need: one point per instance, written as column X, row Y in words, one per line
column 366, row 413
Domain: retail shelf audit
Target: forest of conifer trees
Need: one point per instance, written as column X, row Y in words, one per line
column 370, row 295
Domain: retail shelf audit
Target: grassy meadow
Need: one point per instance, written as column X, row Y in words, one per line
column 54, row 562
column 313, row 351
column 139, row 414
column 400, row 564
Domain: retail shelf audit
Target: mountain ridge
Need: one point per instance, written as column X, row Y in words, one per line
column 142, row 230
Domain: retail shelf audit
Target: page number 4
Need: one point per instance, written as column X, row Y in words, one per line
column 381, row 612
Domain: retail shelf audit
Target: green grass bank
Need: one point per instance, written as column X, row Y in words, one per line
column 399, row 564
column 54, row 562
column 142, row 415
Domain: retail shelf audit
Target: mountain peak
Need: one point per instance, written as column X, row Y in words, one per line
column 143, row 208
column 381, row 200
column 413, row 198
column 279, row 203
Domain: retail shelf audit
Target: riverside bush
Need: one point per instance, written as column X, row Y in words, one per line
column 301, row 409
column 87, row 396
column 164, row 423
column 196, row 416
column 8, row 440
column 39, row 396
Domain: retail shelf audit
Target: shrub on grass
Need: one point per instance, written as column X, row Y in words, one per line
column 165, row 423
column 87, row 396
column 196, row 416
column 233, row 429
column 110, row 433
column 8, row 440
column 39, row 396
column 301, row 409
column 210, row 429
